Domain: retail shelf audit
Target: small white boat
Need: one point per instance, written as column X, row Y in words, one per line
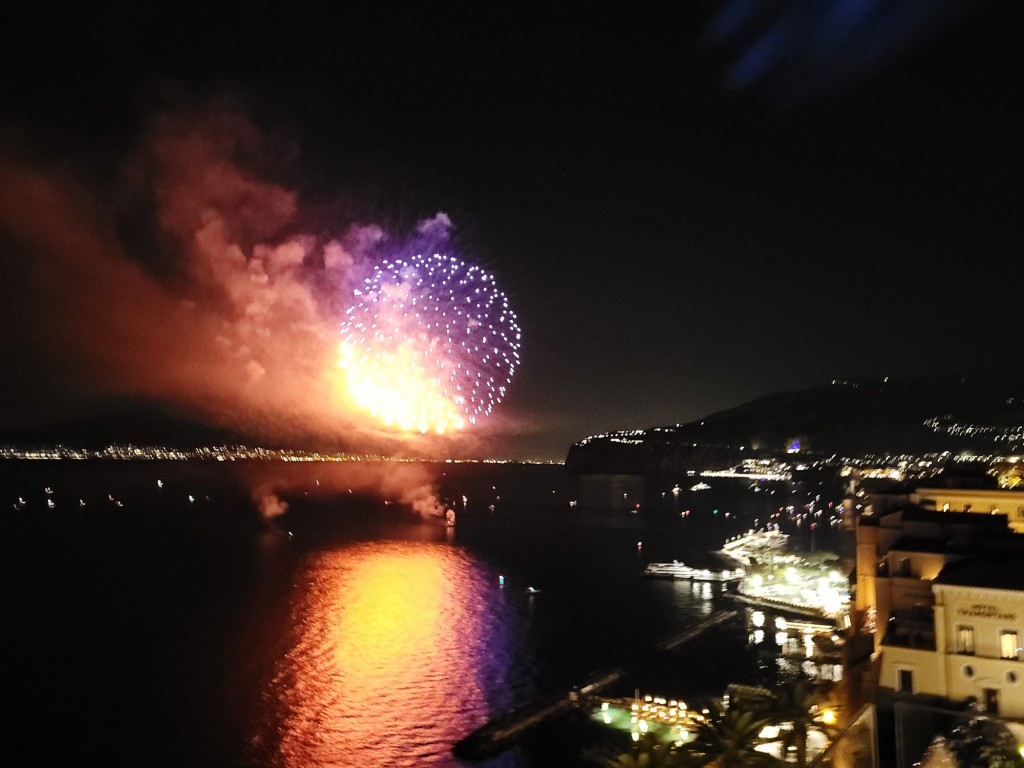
column 532, row 590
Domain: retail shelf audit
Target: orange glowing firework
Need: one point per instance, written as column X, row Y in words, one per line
column 429, row 344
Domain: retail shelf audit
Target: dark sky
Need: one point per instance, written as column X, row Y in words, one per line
column 687, row 207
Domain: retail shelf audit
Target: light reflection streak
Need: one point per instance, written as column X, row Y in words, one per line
column 395, row 646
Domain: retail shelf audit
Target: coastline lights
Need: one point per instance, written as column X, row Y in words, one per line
column 429, row 344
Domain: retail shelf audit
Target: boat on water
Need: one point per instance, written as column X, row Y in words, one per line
column 702, row 486
column 677, row 570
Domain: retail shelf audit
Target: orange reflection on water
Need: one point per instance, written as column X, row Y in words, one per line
column 393, row 639
column 393, row 608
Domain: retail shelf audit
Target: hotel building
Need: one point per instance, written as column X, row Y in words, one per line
column 943, row 594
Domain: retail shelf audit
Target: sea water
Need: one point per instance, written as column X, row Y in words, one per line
column 154, row 617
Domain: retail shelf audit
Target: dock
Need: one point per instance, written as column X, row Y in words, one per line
column 719, row 617
column 498, row 734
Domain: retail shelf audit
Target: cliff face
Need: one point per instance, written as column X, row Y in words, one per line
column 850, row 418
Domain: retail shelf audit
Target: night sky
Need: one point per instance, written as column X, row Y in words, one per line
column 687, row 206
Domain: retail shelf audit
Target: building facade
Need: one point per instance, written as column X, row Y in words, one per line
column 978, row 632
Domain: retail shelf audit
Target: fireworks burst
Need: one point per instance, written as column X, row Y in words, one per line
column 429, row 344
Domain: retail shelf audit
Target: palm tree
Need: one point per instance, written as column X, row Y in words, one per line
column 728, row 739
column 983, row 741
column 644, row 756
column 795, row 702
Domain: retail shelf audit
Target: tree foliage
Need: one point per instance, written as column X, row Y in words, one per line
column 795, row 702
column 728, row 738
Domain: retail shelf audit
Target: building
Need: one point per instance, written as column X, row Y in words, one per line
column 939, row 611
column 974, row 500
column 900, row 551
column 973, row 653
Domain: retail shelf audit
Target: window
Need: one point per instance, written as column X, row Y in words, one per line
column 906, row 681
column 1009, row 644
column 965, row 639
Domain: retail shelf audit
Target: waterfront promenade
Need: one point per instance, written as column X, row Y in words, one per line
column 780, row 580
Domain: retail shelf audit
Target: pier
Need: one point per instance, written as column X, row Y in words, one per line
column 719, row 617
column 501, row 732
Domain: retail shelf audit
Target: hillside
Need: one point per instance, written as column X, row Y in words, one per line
column 849, row 418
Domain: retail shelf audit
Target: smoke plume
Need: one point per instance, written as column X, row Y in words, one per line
column 192, row 282
column 223, row 305
column 413, row 485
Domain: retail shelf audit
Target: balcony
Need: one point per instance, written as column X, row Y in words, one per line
column 911, row 629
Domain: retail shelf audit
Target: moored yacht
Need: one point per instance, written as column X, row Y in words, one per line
column 677, row 570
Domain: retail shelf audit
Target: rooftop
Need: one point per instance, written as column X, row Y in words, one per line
column 991, row 572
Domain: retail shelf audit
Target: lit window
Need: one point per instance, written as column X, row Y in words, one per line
column 1009, row 644
column 965, row 639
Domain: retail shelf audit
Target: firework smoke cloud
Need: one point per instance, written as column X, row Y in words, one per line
column 235, row 312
